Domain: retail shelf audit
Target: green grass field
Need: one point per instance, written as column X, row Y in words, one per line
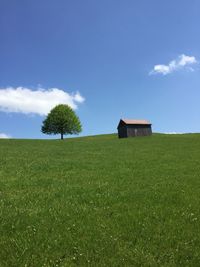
column 100, row 201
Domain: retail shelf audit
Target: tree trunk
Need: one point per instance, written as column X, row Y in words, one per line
column 61, row 136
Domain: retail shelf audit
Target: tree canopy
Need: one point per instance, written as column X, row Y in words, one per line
column 61, row 120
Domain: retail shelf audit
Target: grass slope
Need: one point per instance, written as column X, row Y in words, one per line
column 100, row 201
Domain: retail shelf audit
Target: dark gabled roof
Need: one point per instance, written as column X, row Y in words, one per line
column 134, row 122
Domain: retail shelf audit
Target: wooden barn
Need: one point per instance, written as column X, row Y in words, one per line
column 132, row 128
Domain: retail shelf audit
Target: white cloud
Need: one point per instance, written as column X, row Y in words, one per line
column 40, row 101
column 4, row 136
column 173, row 133
column 181, row 62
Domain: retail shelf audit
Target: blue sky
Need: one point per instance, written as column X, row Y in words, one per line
column 109, row 59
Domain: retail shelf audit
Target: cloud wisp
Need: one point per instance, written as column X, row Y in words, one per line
column 181, row 62
column 173, row 133
column 40, row 101
column 4, row 136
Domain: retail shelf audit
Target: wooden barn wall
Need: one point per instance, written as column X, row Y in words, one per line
column 122, row 132
column 138, row 130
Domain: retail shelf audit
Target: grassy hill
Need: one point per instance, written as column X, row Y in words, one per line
column 100, row 201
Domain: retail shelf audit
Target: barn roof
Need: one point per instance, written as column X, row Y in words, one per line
column 133, row 122
column 129, row 121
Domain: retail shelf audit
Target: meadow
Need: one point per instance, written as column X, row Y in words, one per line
column 100, row 201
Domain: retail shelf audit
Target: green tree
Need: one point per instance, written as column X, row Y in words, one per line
column 61, row 120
